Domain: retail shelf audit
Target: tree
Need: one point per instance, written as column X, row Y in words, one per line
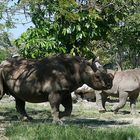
column 81, row 27
column 67, row 26
column 126, row 37
column 3, row 54
column 5, row 24
column 122, row 43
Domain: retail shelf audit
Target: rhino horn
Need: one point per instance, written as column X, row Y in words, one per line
column 97, row 58
column 93, row 60
column 90, row 61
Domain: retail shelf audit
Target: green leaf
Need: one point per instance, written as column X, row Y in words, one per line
column 79, row 36
column 68, row 30
column 78, row 27
column 64, row 31
column 87, row 25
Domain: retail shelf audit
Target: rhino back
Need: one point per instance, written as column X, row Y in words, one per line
column 127, row 80
column 130, row 80
column 32, row 79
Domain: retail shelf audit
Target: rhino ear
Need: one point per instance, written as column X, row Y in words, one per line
column 90, row 61
column 94, row 59
column 97, row 59
column 114, row 72
column 111, row 75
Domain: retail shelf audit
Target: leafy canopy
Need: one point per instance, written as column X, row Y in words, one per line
column 63, row 26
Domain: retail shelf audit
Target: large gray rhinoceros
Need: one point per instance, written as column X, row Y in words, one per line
column 50, row 79
column 125, row 84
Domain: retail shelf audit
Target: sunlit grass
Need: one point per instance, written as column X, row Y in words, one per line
column 69, row 132
column 85, row 123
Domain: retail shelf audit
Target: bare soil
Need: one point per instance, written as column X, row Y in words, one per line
column 84, row 113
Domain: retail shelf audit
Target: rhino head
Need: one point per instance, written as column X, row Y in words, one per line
column 96, row 76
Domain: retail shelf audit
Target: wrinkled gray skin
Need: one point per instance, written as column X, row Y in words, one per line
column 125, row 84
column 50, row 79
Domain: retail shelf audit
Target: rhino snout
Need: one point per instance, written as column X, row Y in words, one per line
column 109, row 85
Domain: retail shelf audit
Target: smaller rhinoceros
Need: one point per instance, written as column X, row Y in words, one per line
column 125, row 84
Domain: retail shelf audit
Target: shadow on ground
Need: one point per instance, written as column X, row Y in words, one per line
column 96, row 122
column 41, row 116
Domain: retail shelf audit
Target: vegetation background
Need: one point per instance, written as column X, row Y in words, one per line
column 109, row 29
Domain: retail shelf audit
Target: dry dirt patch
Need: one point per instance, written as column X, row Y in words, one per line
column 84, row 113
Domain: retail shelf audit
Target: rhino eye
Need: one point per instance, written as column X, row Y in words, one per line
column 97, row 76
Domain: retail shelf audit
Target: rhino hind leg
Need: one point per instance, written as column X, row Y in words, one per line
column 133, row 99
column 20, row 107
column 122, row 101
column 67, row 103
column 55, row 100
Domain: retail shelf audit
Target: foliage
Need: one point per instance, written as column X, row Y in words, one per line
column 4, row 40
column 5, row 24
column 122, row 44
column 68, row 26
column 128, row 38
column 108, row 28
column 6, row 13
column 3, row 54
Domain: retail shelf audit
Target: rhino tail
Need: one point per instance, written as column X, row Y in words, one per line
column 1, row 84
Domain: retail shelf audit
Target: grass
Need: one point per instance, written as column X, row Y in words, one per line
column 69, row 132
column 86, row 123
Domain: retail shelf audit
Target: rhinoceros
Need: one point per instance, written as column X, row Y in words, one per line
column 125, row 84
column 50, row 79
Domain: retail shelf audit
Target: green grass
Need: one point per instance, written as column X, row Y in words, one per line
column 69, row 132
column 86, row 123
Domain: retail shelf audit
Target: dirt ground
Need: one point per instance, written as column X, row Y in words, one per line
column 83, row 113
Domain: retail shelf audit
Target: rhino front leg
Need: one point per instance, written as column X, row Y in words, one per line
column 20, row 107
column 100, row 101
column 122, row 101
column 55, row 100
column 133, row 99
column 67, row 103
